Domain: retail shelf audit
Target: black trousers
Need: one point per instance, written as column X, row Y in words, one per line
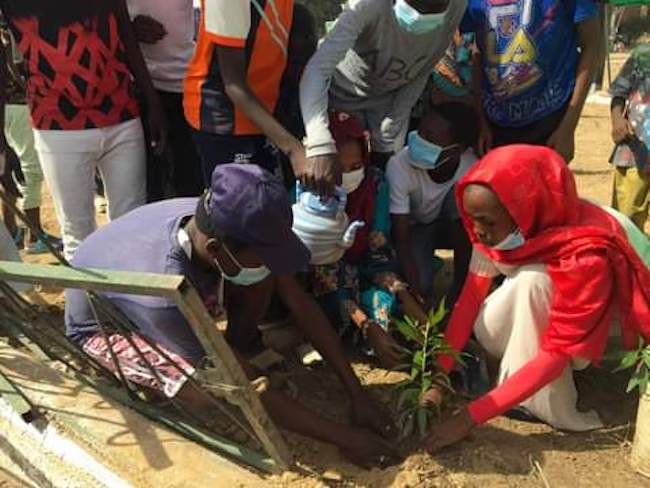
column 178, row 173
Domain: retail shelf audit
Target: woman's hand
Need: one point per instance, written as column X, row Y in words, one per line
column 450, row 431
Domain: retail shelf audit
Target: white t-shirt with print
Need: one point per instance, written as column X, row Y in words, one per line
column 168, row 59
column 414, row 193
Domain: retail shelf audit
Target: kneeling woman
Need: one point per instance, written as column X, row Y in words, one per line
column 570, row 266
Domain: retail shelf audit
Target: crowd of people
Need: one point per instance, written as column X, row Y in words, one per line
column 277, row 172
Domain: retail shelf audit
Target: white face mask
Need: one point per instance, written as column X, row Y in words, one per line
column 514, row 240
column 353, row 179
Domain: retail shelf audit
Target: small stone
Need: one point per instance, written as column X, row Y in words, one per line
column 332, row 475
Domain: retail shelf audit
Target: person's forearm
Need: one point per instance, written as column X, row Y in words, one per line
column 135, row 60
column 408, row 267
column 477, row 88
column 292, row 415
column 411, row 307
column 313, row 324
column 316, row 79
column 617, row 108
column 250, row 105
column 584, row 76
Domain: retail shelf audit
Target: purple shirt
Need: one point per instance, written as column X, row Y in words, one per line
column 144, row 240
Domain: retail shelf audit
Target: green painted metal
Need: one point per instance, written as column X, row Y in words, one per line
column 177, row 290
column 101, row 280
column 628, row 3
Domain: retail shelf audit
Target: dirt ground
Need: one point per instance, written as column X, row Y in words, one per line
column 503, row 452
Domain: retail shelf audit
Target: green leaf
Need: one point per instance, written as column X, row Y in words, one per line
column 409, row 330
column 440, row 314
column 423, row 421
column 418, row 360
column 409, row 397
column 426, row 383
column 628, row 361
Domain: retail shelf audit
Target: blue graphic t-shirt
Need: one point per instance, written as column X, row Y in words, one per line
column 529, row 53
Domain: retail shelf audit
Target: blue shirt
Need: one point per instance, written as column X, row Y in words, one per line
column 529, row 53
column 144, row 240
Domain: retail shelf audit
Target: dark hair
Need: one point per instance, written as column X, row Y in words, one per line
column 462, row 119
column 58, row 14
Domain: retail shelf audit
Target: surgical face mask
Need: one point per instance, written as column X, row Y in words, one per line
column 514, row 240
column 246, row 276
column 353, row 179
column 425, row 154
column 415, row 22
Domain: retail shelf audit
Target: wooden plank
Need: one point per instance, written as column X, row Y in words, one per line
column 101, row 280
column 217, row 349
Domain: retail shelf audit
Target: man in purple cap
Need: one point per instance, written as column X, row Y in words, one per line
column 238, row 235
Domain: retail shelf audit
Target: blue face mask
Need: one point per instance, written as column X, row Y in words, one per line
column 513, row 241
column 246, row 276
column 415, row 22
column 424, row 154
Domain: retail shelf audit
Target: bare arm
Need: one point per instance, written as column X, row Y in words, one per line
column 588, row 40
column 138, row 68
column 232, row 62
column 563, row 139
column 313, row 324
column 485, row 132
column 622, row 130
column 402, row 238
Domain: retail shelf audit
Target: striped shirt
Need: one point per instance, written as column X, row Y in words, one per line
column 261, row 28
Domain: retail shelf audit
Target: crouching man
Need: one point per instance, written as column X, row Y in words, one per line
column 237, row 236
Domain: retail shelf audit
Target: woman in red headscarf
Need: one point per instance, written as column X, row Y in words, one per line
column 570, row 265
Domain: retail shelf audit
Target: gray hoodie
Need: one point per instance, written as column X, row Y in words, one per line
column 370, row 66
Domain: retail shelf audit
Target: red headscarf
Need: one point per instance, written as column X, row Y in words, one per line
column 588, row 256
column 361, row 202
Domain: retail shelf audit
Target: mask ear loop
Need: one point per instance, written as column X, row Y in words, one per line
column 223, row 246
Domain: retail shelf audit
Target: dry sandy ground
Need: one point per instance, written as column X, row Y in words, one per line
column 504, row 452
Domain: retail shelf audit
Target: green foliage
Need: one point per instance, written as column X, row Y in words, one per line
column 639, row 362
column 428, row 343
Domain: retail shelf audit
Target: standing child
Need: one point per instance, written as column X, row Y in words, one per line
column 82, row 62
column 357, row 286
column 422, row 206
column 631, row 133
column 20, row 140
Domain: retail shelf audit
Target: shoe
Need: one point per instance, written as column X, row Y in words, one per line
column 40, row 247
column 522, row 414
column 19, row 238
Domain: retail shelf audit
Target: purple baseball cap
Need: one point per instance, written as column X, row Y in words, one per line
column 250, row 205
